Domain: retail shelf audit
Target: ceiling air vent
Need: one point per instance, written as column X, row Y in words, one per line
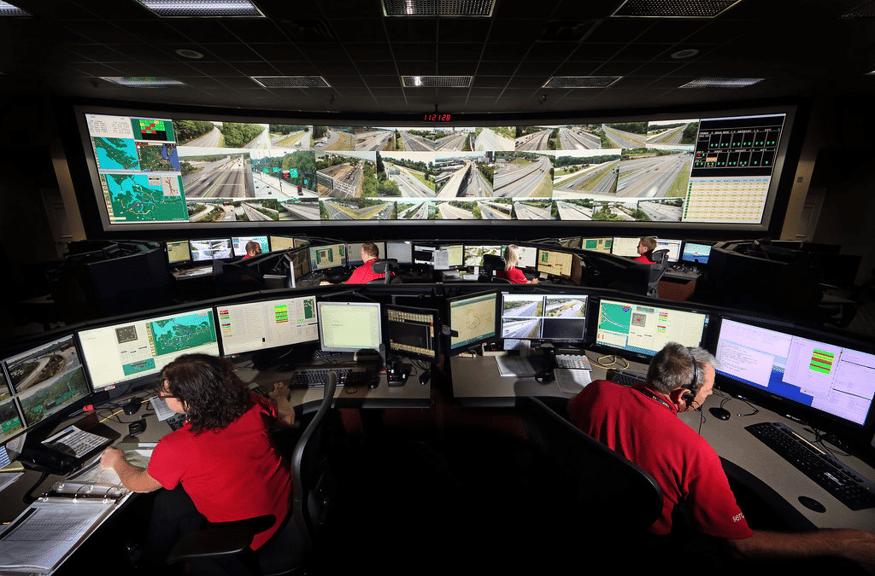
column 722, row 82
column 203, row 8
column 581, row 81
column 292, row 81
column 674, row 8
column 436, row 81
column 439, row 8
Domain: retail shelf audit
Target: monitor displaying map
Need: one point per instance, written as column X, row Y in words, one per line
column 138, row 348
column 644, row 329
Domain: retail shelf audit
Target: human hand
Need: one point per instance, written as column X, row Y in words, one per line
column 110, row 457
column 280, row 392
column 534, row 281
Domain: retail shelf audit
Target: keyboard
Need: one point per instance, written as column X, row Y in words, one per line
column 627, row 378
column 310, row 281
column 573, row 362
column 841, row 481
column 315, row 377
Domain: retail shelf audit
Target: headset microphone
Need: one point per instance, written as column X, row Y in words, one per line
column 690, row 396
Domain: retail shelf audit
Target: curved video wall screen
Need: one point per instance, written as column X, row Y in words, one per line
column 165, row 170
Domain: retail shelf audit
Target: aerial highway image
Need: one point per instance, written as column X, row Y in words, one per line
column 463, row 174
column 494, row 138
column 533, row 137
column 415, row 140
column 627, row 135
column 534, row 210
column 290, row 136
column 449, row 139
column 496, row 209
column 334, row 138
column 347, row 175
column 522, row 174
column 284, row 174
column 357, row 209
column 577, row 138
column 672, row 133
column 216, row 174
column 374, row 139
column 457, row 210
column 654, row 173
column 412, row 172
column 591, row 173
column 415, row 210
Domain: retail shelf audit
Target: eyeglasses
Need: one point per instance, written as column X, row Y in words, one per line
column 165, row 395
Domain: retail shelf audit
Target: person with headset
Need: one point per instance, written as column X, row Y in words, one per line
column 641, row 423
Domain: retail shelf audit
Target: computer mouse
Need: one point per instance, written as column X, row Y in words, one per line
column 373, row 382
column 132, row 406
column 137, row 427
column 424, row 378
column 720, row 413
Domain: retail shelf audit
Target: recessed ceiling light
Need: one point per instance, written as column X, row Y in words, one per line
column 191, row 54
column 143, row 81
column 722, row 82
column 674, row 8
column 682, row 54
column 292, row 81
column 437, row 8
column 436, row 81
column 7, row 9
column 203, row 8
column 581, row 81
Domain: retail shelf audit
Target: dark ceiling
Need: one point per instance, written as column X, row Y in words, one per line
column 800, row 48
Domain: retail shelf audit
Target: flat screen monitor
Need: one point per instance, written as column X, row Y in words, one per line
column 178, row 252
column 828, row 381
column 354, row 253
column 255, row 326
column 280, row 243
column 474, row 253
column 449, row 256
column 597, row 244
column 209, row 250
column 126, row 351
column 349, row 326
column 423, row 254
column 696, row 253
column 574, row 242
column 328, row 256
column 239, row 243
column 412, row 332
column 543, row 317
column 400, row 251
column 673, row 247
column 554, row 263
column 623, row 246
column 43, row 381
column 528, row 257
column 299, row 263
column 473, row 317
column 644, row 329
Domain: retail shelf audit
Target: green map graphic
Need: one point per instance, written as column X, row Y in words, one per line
column 615, row 317
column 116, row 154
column 134, row 197
column 176, row 335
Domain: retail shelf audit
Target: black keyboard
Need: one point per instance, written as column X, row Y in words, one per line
column 841, row 481
column 310, row 281
column 315, row 377
column 627, row 378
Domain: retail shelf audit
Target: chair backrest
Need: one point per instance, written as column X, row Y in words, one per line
column 656, row 271
column 491, row 263
column 384, row 266
column 312, row 479
column 613, row 494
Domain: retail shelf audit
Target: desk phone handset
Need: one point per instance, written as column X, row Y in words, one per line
column 46, row 460
column 549, row 354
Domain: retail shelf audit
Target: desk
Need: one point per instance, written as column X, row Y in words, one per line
column 477, row 383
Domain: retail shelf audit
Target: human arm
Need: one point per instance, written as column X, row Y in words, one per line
column 281, row 395
column 133, row 478
column 855, row 545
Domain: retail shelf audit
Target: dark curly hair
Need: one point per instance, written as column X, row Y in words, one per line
column 209, row 389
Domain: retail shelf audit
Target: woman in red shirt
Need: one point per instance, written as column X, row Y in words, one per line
column 511, row 272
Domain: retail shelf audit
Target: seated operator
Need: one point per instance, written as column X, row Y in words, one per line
column 646, row 246
column 641, row 423
column 365, row 273
column 511, row 272
column 253, row 248
column 222, row 465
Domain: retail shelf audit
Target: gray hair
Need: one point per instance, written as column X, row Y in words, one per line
column 672, row 368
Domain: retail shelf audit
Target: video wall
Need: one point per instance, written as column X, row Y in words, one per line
column 156, row 171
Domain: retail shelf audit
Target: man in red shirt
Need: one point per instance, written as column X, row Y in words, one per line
column 646, row 246
column 365, row 273
column 641, row 424
column 222, row 465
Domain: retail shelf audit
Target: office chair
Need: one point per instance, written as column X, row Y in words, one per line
column 235, row 278
column 643, row 278
column 386, row 266
column 656, row 272
column 223, row 548
column 491, row 263
column 601, row 493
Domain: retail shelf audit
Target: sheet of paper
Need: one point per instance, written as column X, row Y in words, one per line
column 72, row 440
column 518, row 366
column 572, row 381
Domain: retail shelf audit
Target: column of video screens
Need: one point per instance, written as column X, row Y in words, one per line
column 544, row 318
column 40, row 382
column 699, row 169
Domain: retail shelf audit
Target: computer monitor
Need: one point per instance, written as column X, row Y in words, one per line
column 400, row 251
column 349, row 326
column 178, row 252
column 449, row 256
column 11, row 419
column 255, row 326
column 280, row 243
column 673, row 247
column 640, row 330
column 208, row 250
column 627, row 247
column 473, row 317
column 555, row 263
column 43, row 381
column 354, row 252
column 127, row 351
column 328, row 256
column 412, row 332
column 240, row 242
column 806, row 374
column 573, row 242
column 597, row 244
column 543, row 317
column 696, row 252
column 474, row 253
column 528, row 257
column 299, row 264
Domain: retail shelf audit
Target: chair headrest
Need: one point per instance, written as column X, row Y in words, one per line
column 494, row 261
column 660, row 255
column 381, row 266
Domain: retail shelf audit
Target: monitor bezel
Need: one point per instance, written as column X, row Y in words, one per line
column 569, row 342
column 436, row 341
column 320, row 304
column 451, row 350
column 262, row 302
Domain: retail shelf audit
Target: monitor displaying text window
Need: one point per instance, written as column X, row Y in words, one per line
column 555, row 263
column 178, row 252
column 349, row 326
column 254, row 326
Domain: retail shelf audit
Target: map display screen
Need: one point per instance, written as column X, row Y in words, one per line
column 473, row 318
column 123, row 352
column 645, row 328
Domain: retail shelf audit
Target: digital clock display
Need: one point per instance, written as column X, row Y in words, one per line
column 437, row 117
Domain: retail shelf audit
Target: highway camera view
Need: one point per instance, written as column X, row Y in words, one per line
column 198, row 171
